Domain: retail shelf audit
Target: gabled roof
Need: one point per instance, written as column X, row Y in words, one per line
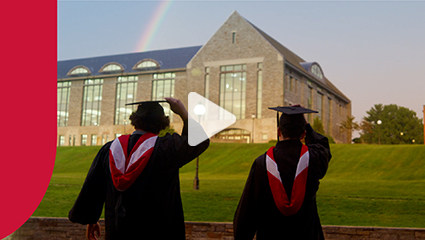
column 168, row 59
column 296, row 61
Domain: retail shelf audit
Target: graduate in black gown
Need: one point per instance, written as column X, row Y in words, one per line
column 136, row 178
column 279, row 198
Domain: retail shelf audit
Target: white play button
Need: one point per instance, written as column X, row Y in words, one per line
column 209, row 115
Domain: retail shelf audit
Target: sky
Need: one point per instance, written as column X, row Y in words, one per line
column 372, row 51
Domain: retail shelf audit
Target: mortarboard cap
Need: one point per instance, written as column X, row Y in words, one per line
column 292, row 110
column 138, row 103
column 291, row 116
column 149, row 108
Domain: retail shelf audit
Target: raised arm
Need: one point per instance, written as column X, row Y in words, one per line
column 177, row 147
column 318, row 146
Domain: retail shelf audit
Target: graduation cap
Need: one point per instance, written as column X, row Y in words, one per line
column 293, row 110
column 291, row 116
column 139, row 103
column 149, row 107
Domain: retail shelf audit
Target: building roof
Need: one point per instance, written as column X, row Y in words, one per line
column 167, row 59
column 296, row 61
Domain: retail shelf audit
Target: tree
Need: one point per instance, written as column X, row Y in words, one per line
column 367, row 128
column 348, row 126
column 399, row 125
column 318, row 125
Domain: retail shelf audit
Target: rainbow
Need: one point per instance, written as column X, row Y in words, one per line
column 154, row 24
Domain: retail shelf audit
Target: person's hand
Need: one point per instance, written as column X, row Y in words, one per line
column 92, row 231
column 177, row 107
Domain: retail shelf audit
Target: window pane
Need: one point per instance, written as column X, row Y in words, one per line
column 79, row 70
column 319, row 105
column 164, row 88
column 233, row 89
column 84, row 140
column 61, row 140
column 126, row 93
column 259, row 91
column 63, row 91
column 112, row 67
column 147, row 64
column 92, row 99
column 93, row 140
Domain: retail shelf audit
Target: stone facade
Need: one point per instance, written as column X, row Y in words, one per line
column 238, row 42
column 284, row 82
column 249, row 48
column 37, row 228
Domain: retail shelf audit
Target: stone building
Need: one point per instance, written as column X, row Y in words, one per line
column 241, row 69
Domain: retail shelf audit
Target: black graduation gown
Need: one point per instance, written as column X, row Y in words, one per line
column 151, row 208
column 257, row 212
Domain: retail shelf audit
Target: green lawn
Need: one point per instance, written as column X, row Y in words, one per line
column 366, row 185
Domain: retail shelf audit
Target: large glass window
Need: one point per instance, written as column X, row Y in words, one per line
column 233, row 89
column 126, row 93
column 63, row 103
column 163, row 86
column 259, row 89
column 92, row 99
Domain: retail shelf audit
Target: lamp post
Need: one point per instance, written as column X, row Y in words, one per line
column 252, row 130
column 379, row 130
column 199, row 111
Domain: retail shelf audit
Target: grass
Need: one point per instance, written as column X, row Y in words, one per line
column 366, row 185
